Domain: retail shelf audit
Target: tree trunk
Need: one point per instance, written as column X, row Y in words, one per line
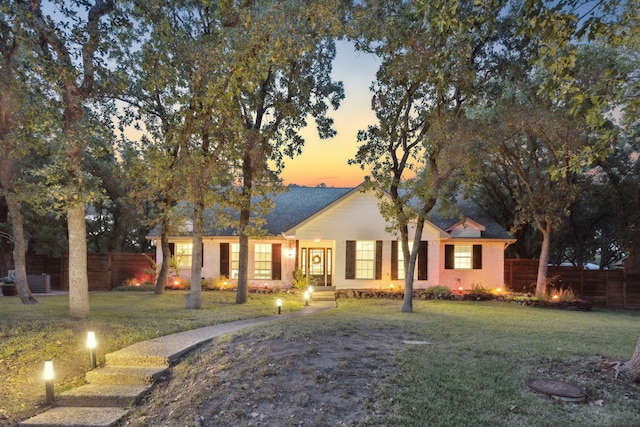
column 410, row 264
column 541, row 282
column 407, row 301
column 6, row 178
column 19, row 262
column 194, row 299
column 163, row 274
column 631, row 368
column 242, row 295
column 78, row 280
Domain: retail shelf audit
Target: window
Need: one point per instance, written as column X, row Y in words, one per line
column 463, row 257
column 183, row 254
column 365, row 259
column 235, row 260
column 262, row 253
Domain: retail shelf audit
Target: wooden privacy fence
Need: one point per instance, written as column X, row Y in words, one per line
column 106, row 271
column 610, row 288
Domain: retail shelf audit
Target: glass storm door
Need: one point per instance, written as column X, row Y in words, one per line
column 319, row 265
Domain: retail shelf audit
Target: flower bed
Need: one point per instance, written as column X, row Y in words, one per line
column 426, row 294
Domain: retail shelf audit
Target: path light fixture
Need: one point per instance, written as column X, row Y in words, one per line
column 306, row 298
column 279, row 304
column 48, row 381
column 91, row 344
column 391, row 286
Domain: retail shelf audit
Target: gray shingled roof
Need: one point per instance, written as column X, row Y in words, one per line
column 299, row 203
column 290, row 208
column 469, row 209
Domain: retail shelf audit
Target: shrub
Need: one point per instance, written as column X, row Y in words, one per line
column 146, row 286
column 560, row 294
column 300, row 281
column 477, row 288
column 218, row 284
column 438, row 292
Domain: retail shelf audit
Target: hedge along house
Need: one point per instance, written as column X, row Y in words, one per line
column 338, row 237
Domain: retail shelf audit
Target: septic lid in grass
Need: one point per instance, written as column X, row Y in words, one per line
column 557, row 389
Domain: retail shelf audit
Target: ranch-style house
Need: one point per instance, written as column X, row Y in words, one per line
column 338, row 237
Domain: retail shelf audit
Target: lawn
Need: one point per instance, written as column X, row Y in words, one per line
column 471, row 372
column 30, row 334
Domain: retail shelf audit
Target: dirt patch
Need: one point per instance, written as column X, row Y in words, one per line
column 311, row 381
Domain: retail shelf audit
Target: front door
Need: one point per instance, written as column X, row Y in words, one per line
column 318, row 262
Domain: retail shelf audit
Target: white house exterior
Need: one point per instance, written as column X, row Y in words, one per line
column 337, row 236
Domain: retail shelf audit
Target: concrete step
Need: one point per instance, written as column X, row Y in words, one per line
column 323, row 295
column 102, row 395
column 125, row 375
column 124, row 358
column 76, row 417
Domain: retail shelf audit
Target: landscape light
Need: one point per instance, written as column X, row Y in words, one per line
column 48, row 381
column 91, row 343
column 306, row 298
column 499, row 290
column 555, row 297
column 279, row 304
column 391, row 286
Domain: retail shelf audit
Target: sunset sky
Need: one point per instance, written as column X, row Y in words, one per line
column 325, row 161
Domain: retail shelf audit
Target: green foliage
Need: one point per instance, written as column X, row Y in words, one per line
column 141, row 287
column 301, row 281
column 220, row 284
column 558, row 295
column 478, row 288
column 438, row 292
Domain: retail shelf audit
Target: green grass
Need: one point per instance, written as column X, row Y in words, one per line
column 473, row 371
column 471, row 374
column 30, row 334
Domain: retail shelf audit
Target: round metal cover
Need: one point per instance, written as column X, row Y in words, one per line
column 557, row 389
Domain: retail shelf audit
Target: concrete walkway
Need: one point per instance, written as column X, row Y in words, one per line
column 131, row 372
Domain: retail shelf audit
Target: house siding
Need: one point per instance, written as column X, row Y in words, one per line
column 491, row 275
column 211, row 259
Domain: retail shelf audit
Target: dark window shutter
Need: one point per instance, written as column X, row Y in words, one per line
column 394, row 260
column 172, row 249
column 350, row 260
column 202, row 256
column 276, row 261
column 423, row 260
column 449, row 257
column 477, row 257
column 224, row 259
column 378, row 259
